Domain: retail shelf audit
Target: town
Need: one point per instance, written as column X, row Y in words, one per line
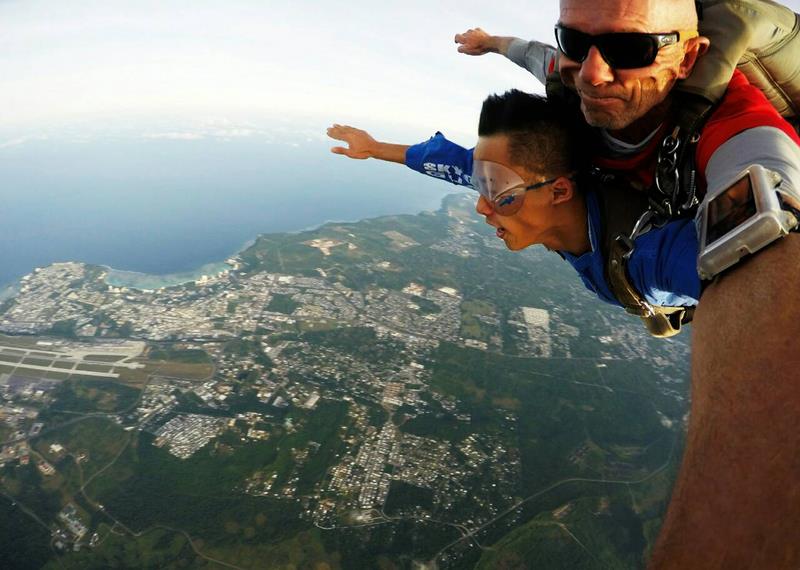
column 252, row 357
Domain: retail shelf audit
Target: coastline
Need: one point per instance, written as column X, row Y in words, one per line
column 8, row 291
column 148, row 281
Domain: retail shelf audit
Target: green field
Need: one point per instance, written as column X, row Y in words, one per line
column 282, row 304
column 204, row 492
column 406, row 498
column 94, row 395
column 184, row 356
column 24, row 545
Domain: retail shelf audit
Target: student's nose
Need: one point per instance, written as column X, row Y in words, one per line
column 483, row 207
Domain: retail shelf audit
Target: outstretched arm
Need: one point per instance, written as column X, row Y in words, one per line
column 538, row 58
column 361, row 145
column 437, row 157
column 475, row 41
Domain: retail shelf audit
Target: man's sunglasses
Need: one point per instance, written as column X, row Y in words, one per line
column 620, row 50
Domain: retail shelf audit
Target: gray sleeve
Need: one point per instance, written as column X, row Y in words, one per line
column 534, row 56
column 768, row 146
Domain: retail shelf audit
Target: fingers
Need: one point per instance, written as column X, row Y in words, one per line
column 345, row 152
column 335, row 128
column 339, row 132
column 350, row 153
column 468, row 35
column 357, row 141
column 473, row 42
column 463, row 38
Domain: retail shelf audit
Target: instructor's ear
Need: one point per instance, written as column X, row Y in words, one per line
column 695, row 48
column 562, row 190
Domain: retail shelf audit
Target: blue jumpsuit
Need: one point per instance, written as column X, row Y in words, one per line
column 662, row 266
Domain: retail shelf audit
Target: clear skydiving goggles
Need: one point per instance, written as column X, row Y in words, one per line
column 503, row 188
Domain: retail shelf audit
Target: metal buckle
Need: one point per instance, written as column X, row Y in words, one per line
column 667, row 174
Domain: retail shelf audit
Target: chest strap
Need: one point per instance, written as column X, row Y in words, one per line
column 620, row 209
column 659, row 321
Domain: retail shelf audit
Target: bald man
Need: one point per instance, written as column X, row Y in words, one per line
column 736, row 503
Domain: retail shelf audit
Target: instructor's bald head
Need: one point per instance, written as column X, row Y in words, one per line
column 624, row 99
column 633, row 15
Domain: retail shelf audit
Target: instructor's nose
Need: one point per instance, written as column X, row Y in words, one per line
column 595, row 70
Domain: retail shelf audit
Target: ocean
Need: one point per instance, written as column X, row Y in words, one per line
column 173, row 206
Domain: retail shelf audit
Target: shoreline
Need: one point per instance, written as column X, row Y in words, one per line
column 149, row 281
column 135, row 279
column 8, row 291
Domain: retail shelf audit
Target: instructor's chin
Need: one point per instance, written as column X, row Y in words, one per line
column 600, row 120
column 603, row 118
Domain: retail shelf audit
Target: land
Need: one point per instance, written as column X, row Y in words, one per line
column 399, row 392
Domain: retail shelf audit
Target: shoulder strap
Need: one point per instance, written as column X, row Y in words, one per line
column 675, row 191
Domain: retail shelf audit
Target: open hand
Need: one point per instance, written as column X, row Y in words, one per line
column 360, row 144
column 475, row 42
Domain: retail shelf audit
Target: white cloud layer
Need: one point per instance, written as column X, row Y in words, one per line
column 85, row 60
column 395, row 64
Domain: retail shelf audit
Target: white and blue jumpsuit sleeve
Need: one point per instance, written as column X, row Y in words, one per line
column 442, row 159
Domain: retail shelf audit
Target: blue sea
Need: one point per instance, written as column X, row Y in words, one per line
column 173, row 206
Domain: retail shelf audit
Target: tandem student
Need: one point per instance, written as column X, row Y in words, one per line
column 534, row 189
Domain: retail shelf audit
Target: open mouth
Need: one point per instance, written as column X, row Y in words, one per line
column 499, row 231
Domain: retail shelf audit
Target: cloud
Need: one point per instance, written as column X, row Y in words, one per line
column 22, row 140
column 92, row 61
column 174, row 136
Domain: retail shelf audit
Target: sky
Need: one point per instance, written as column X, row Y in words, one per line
column 98, row 98
column 231, row 66
column 134, row 132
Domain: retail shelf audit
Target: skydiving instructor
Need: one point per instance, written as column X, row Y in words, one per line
column 736, row 502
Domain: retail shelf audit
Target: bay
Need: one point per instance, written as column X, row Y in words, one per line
column 173, row 206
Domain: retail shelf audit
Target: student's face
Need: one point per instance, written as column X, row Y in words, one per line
column 532, row 224
column 615, row 98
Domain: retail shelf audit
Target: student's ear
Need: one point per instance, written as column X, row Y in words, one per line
column 562, row 190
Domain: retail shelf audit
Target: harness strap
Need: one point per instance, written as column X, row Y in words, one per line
column 619, row 208
column 659, row 321
column 676, row 171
